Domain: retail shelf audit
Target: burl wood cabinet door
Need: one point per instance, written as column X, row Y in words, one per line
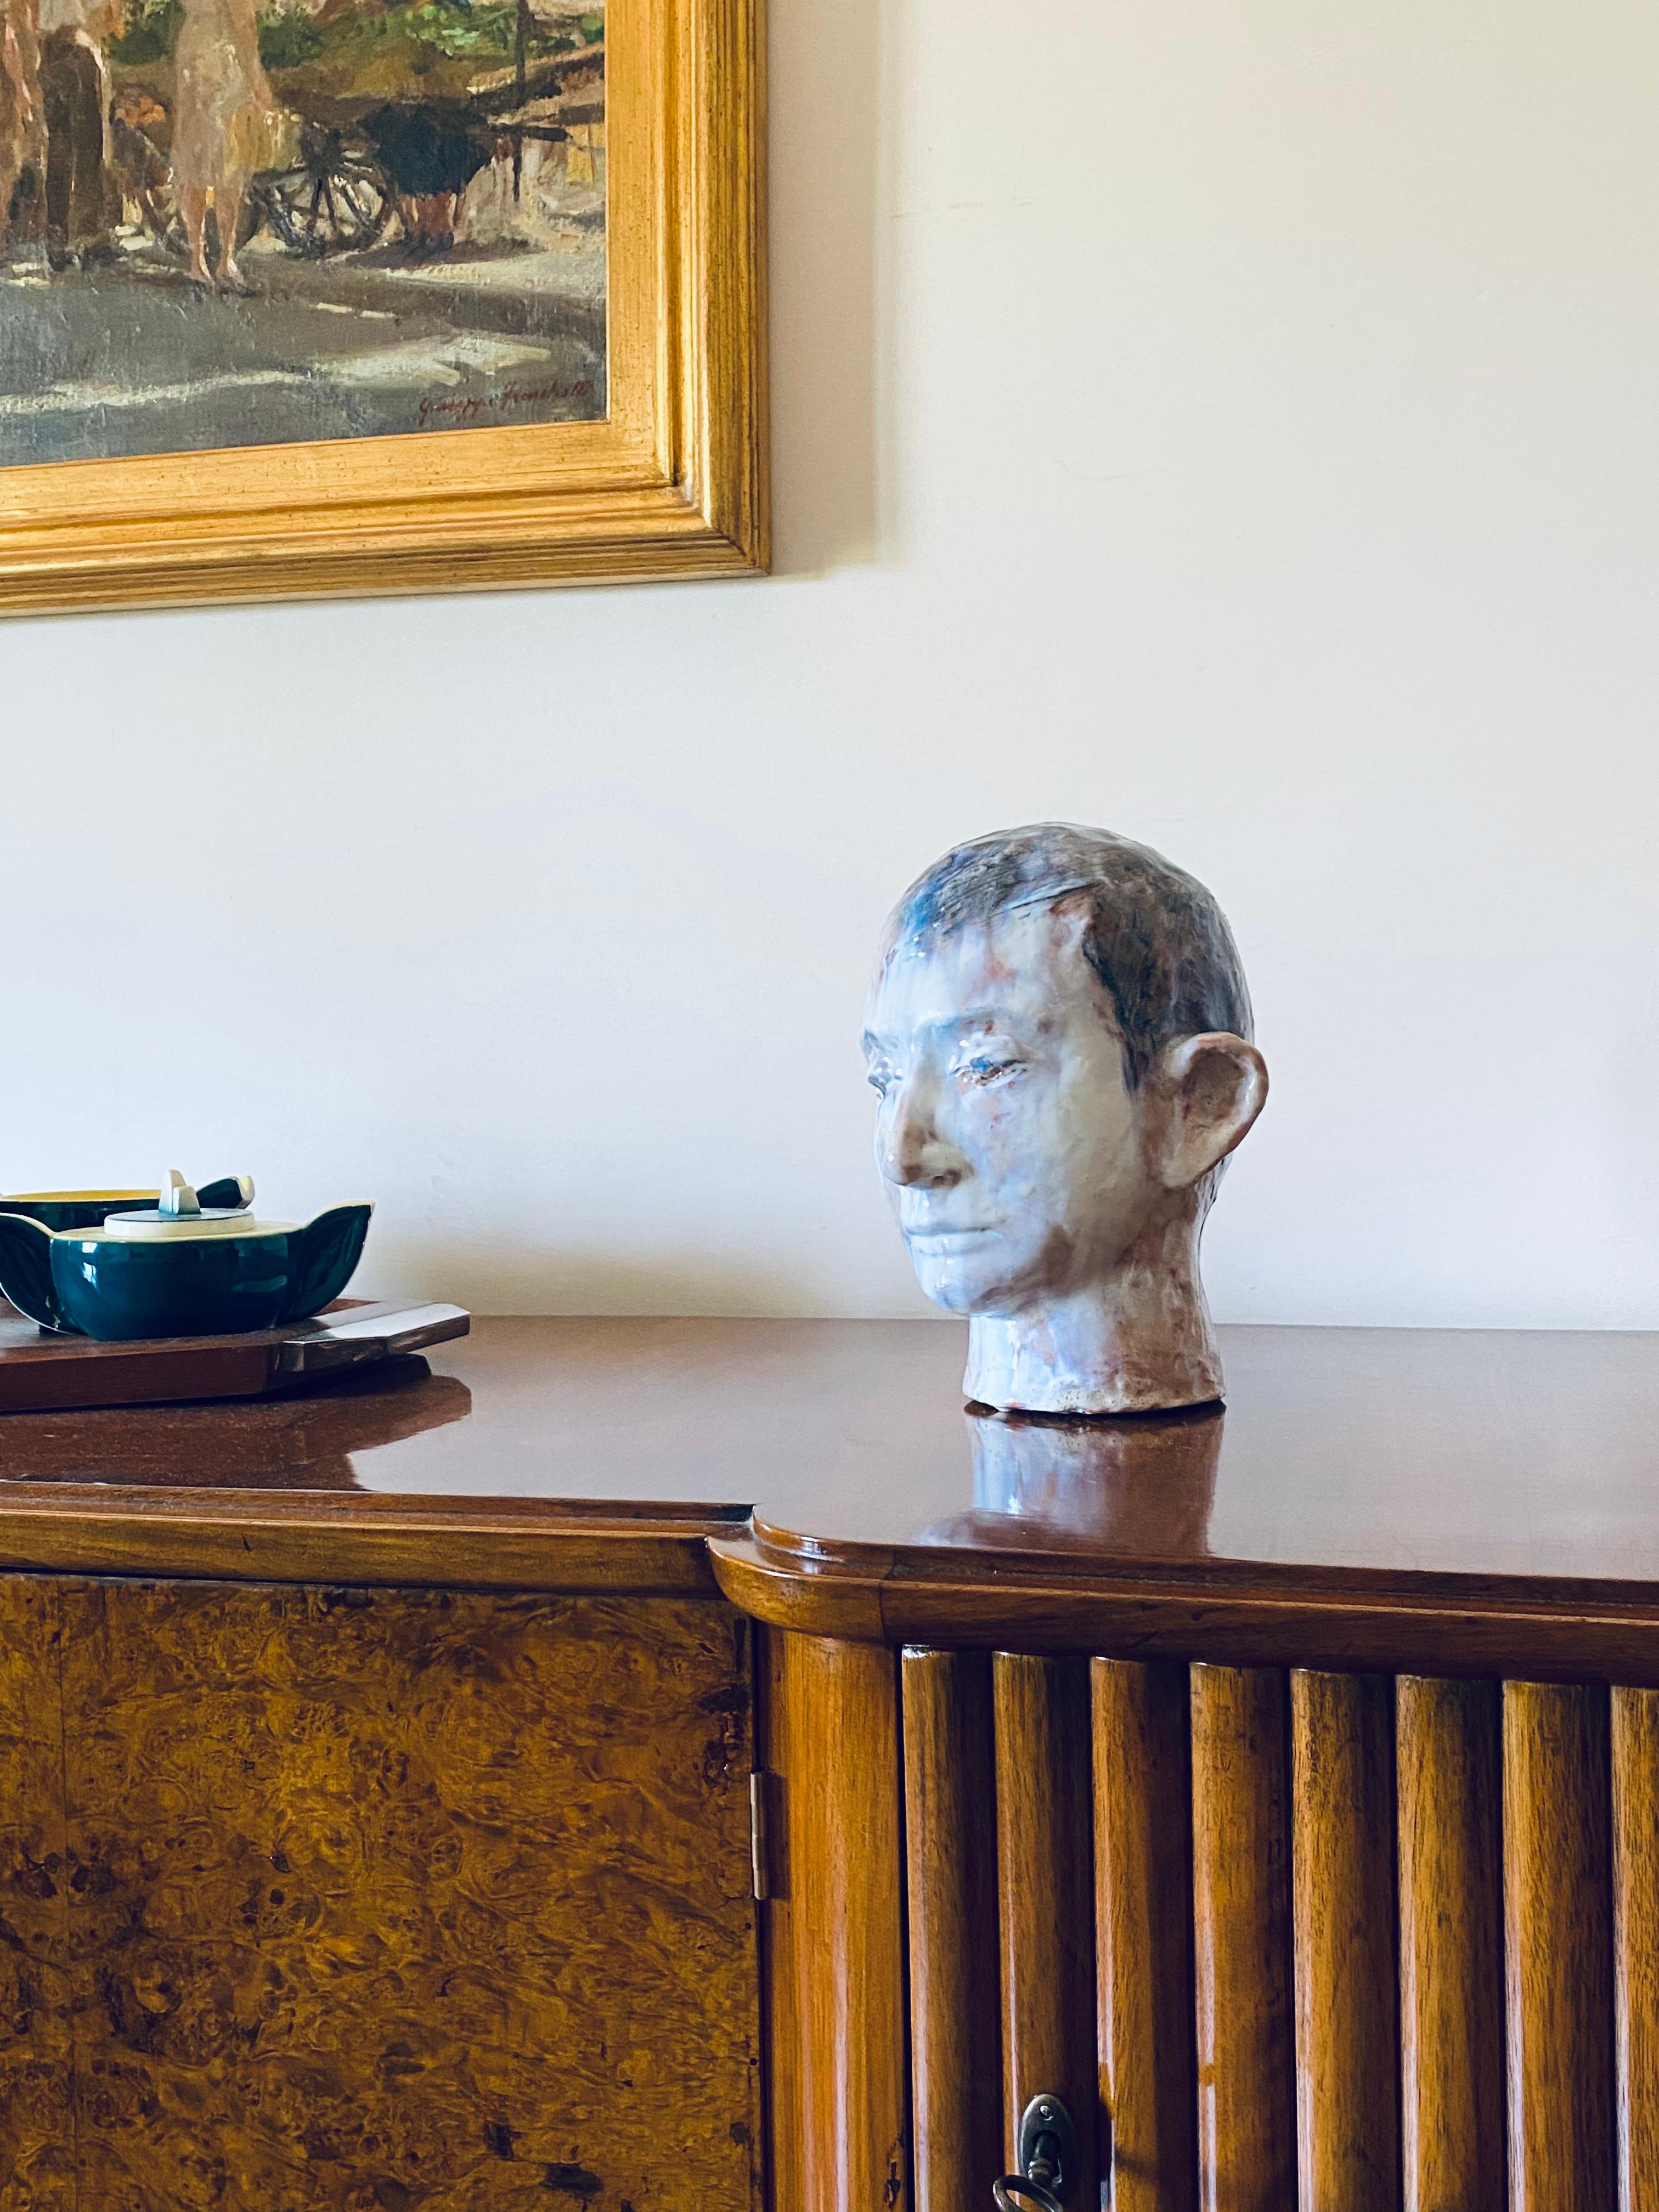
column 377, row 1900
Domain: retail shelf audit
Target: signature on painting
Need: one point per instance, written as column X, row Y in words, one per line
column 509, row 399
column 229, row 224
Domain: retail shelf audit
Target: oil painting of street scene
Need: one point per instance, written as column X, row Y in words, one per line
column 225, row 224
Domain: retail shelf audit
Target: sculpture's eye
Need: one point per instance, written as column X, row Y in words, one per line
column 985, row 1070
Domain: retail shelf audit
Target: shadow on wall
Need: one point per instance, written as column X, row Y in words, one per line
column 489, row 1279
column 827, row 161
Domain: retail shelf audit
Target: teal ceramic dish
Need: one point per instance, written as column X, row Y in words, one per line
column 178, row 1269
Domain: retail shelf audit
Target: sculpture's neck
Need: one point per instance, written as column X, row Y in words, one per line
column 1138, row 1340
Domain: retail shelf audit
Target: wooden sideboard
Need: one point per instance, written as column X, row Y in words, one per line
column 653, row 1766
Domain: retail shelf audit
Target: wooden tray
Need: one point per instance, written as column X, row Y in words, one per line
column 40, row 1373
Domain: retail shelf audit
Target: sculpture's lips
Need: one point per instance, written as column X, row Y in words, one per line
column 943, row 1239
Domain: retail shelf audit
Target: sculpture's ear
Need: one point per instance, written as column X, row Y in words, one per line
column 1211, row 1087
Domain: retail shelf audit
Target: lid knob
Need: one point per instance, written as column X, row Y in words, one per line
column 176, row 1197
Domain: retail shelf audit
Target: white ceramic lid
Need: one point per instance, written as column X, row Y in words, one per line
column 180, row 1218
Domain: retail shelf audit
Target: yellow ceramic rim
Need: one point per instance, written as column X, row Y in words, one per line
column 75, row 1197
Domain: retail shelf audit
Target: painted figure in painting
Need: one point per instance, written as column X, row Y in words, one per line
column 431, row 157
column 221, row 100
column 75, row 100
column 228, row 222
column 1060, row 1035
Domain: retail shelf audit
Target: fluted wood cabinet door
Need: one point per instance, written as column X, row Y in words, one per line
column 1347, row 2012
column 1636, row 1943
column 1144, row 1935
column 1557, row 1947
column 1451, row 1946
column 1242, row 1917
column 1352, row 1944
column 1045, row 1885
column 325, row 1900
column 954, row 1951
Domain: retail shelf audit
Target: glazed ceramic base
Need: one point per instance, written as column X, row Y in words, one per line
column 114, row 1290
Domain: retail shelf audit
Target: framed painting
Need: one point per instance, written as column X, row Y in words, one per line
column 307, row 297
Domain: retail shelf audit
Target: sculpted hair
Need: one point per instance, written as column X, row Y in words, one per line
column 1155, row 939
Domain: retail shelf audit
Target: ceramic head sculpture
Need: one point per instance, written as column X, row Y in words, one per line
column 1059, row 1032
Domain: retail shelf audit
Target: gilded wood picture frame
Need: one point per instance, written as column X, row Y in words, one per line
column 670, row 483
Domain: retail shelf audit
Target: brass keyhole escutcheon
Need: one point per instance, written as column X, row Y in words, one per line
column 1046, row 2147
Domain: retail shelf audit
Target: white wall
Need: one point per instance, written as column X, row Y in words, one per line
column 1231, row 424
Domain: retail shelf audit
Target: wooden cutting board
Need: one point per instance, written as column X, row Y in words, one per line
column 42, row 1372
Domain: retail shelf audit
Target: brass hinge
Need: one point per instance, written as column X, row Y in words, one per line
column 759, row 1846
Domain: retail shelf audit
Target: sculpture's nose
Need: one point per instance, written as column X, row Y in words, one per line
column 912, row 1149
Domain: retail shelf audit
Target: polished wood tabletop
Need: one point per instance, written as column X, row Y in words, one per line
column 1407, row 1453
